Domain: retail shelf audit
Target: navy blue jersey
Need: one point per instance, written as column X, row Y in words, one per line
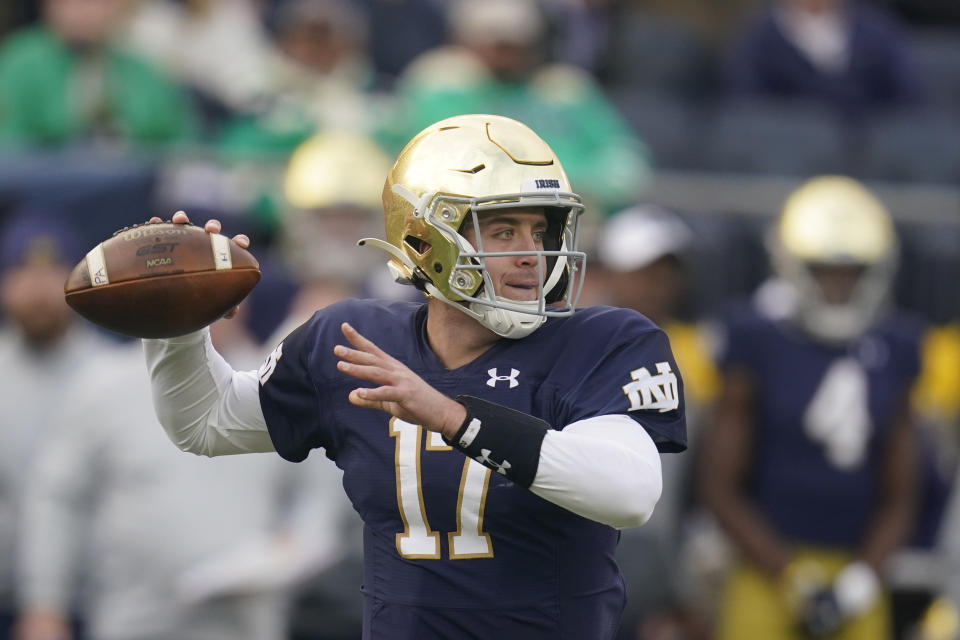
column 450, row 549
column 822, row 417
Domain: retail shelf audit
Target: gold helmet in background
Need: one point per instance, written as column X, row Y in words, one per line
column 448, row 175
column 831, row 222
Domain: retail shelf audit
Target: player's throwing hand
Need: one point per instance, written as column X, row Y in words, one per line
column 401, row 393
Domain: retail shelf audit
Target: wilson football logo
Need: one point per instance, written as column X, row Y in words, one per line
column 653, row 392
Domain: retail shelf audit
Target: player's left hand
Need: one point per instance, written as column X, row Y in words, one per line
column 824, row 606
column 822, row 615
column 402, row 392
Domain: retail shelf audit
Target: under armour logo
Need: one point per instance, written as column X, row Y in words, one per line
column 653, row 392
column 494, row 378
column 499, row 467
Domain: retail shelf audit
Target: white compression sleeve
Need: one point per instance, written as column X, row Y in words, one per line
column 605, row 468
column 204, row 405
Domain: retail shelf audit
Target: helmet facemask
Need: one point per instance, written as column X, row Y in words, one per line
column 835, row 320
column 559, row 270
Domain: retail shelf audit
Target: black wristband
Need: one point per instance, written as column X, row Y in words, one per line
column 505, row 440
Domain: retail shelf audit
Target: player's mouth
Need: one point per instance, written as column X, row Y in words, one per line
column 522, row 290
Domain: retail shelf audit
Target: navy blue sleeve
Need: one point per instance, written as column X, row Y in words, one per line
column 290, row 399
column 631, row 371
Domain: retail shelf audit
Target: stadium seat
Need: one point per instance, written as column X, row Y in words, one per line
column 774, row 138
column 656, row 53
column 936, row 54
column 668, row 125
column 918, row 145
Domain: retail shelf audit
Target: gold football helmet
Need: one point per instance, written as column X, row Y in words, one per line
column 831, row 222
column 449, row 175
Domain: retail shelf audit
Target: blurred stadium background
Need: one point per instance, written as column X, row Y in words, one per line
column 281, row 117
column 721, row 157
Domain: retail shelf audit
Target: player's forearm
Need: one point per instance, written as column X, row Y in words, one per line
column 895, row 512
column 204, row 405
column 750, row 531
column 605, row 468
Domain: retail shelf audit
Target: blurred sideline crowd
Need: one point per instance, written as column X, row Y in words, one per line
column 282, row 118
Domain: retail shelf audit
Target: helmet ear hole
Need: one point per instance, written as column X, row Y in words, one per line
column 419, row 245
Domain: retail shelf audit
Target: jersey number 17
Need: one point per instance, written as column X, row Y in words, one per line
column 418, row 540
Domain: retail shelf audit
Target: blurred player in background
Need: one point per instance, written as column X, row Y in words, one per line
column 812, row 452
column 41, row 348
column 494, row 514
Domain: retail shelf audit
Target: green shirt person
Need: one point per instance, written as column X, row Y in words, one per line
column 54, row 92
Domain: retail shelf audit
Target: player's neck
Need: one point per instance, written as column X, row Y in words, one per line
column 456, row 338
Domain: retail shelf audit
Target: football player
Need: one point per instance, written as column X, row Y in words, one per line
column 811, row 450
column 492, row 440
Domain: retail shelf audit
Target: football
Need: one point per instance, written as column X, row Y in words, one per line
column 161, row 280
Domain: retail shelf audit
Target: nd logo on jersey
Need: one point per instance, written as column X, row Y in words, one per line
column 653, row 392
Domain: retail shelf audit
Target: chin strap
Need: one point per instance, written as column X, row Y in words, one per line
column 507, row 323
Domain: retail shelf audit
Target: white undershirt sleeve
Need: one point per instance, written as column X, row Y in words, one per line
column 605, row 468
column 204, row 405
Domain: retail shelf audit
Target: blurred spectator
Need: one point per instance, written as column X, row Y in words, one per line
column 218, row 48
column 844, row 53
column 63, row 82
column 496, row 66
column 318, row 77
column 812, row 446
column 41, row 348
column 216, row 562
column 644, row 254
